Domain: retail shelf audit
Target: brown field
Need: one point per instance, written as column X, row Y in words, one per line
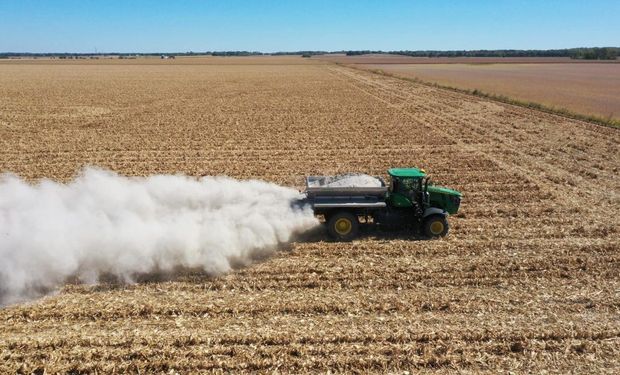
column 527, row 281
column 156, row 60
column 401, row 59
column 592, row 89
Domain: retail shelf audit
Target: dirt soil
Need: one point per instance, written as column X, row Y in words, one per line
column 527, row 280
column 591, row 89
column 385, row 58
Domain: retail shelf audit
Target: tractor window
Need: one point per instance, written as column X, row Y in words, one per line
column 406, row 185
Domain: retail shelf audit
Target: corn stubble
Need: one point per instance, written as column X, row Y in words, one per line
column 527, row 280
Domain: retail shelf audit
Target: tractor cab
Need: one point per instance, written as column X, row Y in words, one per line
column 407, row 188
column 411, row 188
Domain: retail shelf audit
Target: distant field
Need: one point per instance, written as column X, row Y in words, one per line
column 400, row 59
column 156, row 60
column 592, row 89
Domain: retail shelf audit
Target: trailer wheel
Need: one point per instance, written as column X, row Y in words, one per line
column 436, row 226
column 343, row 226
column 327, row 216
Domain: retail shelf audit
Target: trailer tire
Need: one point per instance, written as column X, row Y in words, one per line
column 327, row 216
column 343, row 226
column 435, row 226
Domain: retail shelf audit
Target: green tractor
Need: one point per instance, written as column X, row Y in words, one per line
column 409, row 201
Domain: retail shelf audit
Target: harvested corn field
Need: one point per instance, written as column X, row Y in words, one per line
column 526, row 281
column 585, row 88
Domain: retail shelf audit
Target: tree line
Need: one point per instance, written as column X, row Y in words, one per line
column 594, row 53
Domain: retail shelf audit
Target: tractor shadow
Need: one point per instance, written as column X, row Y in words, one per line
column 366, row 232
column 159, row 278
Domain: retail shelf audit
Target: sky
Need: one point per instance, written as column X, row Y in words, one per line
column 85, row 26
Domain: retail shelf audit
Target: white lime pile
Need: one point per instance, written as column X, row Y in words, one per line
column 353, row 180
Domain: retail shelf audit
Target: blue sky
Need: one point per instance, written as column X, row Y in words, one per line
column 268, row 26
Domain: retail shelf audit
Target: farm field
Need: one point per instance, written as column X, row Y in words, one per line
column 527, row 281
column 157, row 60
column 385, row 58
column 587, row 88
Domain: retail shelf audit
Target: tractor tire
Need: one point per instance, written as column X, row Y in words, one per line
column 343, row 226
column 435, row 226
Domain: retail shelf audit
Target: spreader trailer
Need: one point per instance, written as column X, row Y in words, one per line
column 409, row 201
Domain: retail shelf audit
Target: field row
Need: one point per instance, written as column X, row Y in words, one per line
column 526, row 281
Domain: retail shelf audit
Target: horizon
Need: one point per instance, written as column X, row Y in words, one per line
column 143, row 27
column 292, row 52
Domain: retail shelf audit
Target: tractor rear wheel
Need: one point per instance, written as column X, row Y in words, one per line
column 343, row 226
column 436, row 226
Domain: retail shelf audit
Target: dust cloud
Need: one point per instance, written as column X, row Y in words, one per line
column 102, row 223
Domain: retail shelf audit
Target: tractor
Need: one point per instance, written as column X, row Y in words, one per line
column 409, row 201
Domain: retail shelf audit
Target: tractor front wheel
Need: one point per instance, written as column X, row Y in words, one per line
column 436, row 226
column 343, row 226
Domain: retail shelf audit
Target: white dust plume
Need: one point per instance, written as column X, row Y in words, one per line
column 102, row 223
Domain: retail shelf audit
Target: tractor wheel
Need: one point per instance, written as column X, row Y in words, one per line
column 436, row 226
column 343, row 226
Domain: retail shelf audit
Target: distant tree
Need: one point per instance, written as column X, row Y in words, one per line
column 605, row 53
